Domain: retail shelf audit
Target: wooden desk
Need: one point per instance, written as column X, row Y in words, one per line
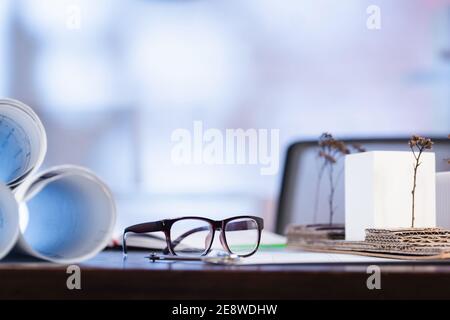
column 108, row 277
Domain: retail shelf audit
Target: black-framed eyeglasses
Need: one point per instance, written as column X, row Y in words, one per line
column 194, row 236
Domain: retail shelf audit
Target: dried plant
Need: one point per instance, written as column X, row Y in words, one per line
column 418, row 145
column 331, row 150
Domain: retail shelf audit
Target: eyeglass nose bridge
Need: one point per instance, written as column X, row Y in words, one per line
column 217, row 225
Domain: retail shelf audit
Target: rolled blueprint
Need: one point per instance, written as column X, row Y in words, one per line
column 23, row 142
column 66, row 215
column 9, row 220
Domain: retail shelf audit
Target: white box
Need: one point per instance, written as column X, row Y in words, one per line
column 378, row 187
column 443, row 199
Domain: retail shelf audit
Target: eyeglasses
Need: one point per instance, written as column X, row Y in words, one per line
column 194, row 236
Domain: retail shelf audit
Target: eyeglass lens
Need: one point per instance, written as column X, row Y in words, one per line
column 191, row 237
column 242, row 236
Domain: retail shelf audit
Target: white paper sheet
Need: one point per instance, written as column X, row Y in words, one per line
column 284, row 257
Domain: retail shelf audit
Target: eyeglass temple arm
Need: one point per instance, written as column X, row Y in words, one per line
column 141, row 228
column 231, row 226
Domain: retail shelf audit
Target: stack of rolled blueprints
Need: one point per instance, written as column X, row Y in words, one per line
column 64, row 214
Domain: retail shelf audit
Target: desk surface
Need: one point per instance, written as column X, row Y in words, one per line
column 107, row 276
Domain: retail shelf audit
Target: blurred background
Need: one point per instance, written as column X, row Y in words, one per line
column 112, row 79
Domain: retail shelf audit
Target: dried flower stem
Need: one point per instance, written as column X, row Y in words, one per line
column 319, row 180
column 331, row 151
column 416, row 167
column 332, row 192
column 418, row 145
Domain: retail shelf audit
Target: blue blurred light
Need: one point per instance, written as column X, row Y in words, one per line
column 76, row 80
column 185, row 58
